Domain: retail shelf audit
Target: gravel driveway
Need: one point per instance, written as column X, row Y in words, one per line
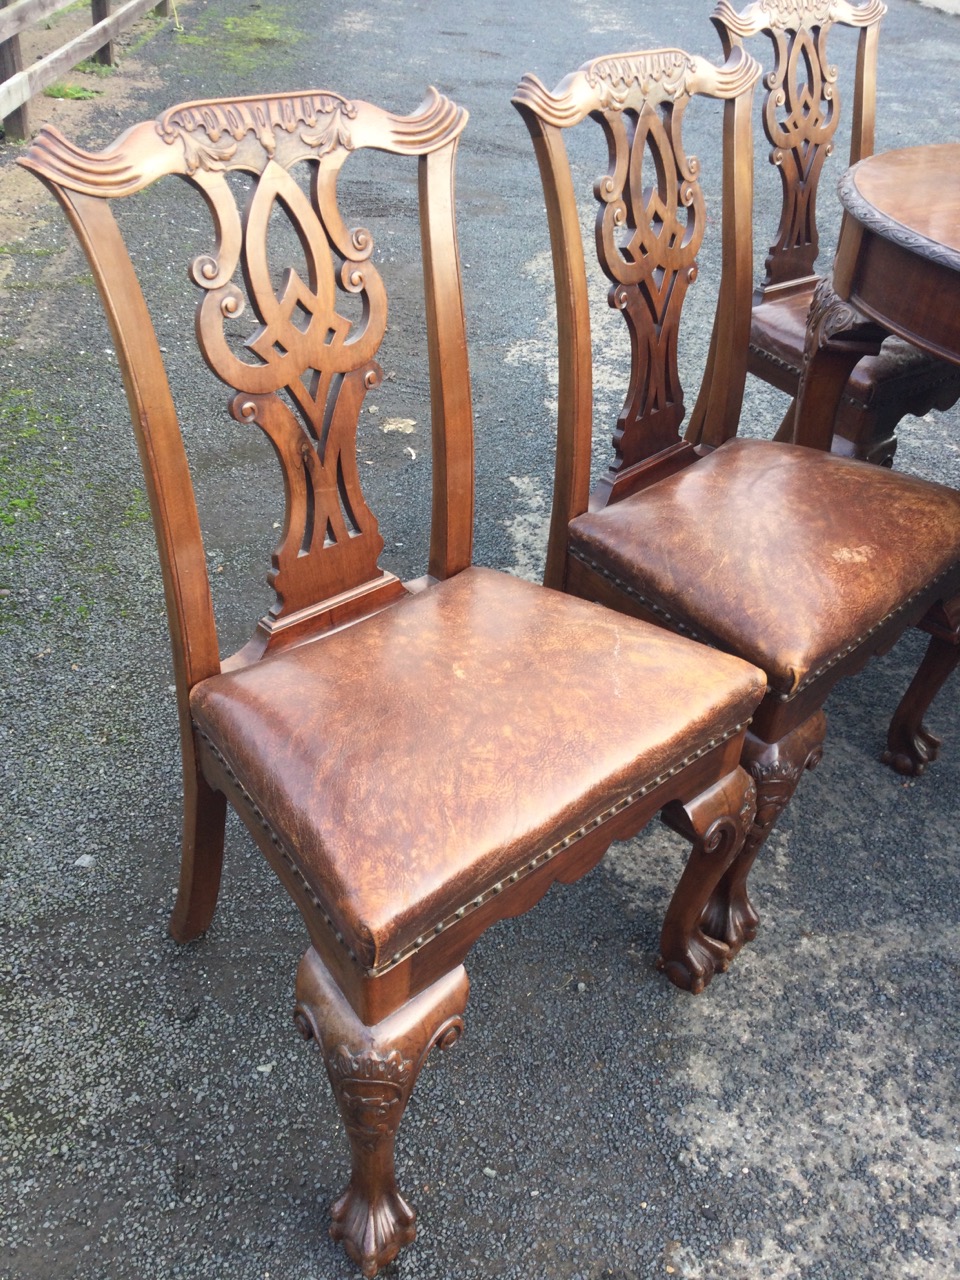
column 160, row 1116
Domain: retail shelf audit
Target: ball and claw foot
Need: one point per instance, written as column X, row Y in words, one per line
column 372, row 1069
column 910, row 753
column 731, row 919
column 701, row 958
column 372, row 1233
column 911, row 747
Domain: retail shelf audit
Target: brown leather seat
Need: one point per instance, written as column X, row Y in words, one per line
column 856, row 550
column 412, row 763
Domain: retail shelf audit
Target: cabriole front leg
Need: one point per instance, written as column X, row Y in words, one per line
column 776, row 768
column 373, row 1071
column 716, row 822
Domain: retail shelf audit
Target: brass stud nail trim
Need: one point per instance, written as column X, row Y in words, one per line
column 535, row 863
column 811, row 676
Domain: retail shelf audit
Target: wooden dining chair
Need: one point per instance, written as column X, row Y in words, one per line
column 803, row 562
column 416, row 761
column 800, row 113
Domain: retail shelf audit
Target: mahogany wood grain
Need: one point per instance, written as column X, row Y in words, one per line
column 897, row 265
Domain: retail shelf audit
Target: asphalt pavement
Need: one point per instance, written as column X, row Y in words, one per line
column 159, row 1115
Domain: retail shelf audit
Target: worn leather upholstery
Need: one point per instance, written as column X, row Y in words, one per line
column 781, row 554
column 777, row 334
column 415, row 759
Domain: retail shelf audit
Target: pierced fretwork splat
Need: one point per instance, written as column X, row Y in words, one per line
column 648, row 235
column 309, row 371
column 800, row 114
column 649, row 229
column 801, row 108
column 304, row 370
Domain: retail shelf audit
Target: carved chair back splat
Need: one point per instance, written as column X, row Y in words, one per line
column 416, row 761
column 800, row 113
column 795, row 559
column 649, row 228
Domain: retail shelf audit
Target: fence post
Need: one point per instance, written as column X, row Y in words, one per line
column 16, row 124
column 99, row 10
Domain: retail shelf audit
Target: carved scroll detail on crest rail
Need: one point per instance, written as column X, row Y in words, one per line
column 669, row 71
column 648, row 236
column 241, row 133
column 632, row 80
column 211, row 131
column 795, row 15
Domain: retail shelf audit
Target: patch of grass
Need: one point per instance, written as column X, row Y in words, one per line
column 24, row 469
column 20, row 250
column 240, row 39
column 263, row 26
column 75, row 92
column 28, row 463
column 138, row 510
column 59, row 16
column 90, row 67
column 32, row 286
column 20, row 480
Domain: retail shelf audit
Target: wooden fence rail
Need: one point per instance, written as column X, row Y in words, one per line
column 18, row 86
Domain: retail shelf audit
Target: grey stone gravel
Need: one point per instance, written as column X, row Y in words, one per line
column 159, row 1116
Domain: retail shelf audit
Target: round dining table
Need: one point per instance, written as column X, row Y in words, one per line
column 898, row 260
column 896, row 270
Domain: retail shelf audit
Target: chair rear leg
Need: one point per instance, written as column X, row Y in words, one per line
column 373, row 1071
column 911, row 747
column 776, row 768
column 201, row 857
column 716, row 822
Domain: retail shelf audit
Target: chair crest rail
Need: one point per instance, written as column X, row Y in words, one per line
column 796, row 15
column 632, row 80
column 218, row 136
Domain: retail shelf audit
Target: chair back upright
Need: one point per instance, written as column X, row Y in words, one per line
column 649, row 227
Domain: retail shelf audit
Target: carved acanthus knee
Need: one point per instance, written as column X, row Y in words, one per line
column 776, row 768
column 372, row 1071
column 837, row 338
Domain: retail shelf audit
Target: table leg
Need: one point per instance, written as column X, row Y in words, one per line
column 838, row 337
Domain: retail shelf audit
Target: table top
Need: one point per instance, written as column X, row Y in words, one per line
column 912, row 197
